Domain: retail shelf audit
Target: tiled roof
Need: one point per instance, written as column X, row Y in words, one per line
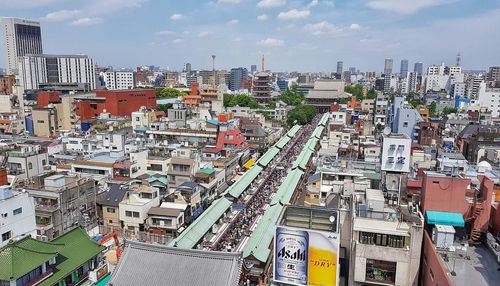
column 147, row 264
column 22, row 256
column 78, row 249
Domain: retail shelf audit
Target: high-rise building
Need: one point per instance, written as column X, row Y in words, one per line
column 56, row 69
column 253, row 68
column 119, row 80
column 493, row 77
column 418, row 68
column 187, row 68
column 22, row 37
column 237, row 76
column 404, row 68
column 388, row 67
column 352, row 70
column 340, row 67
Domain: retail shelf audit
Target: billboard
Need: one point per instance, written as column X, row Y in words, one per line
column 306, row 257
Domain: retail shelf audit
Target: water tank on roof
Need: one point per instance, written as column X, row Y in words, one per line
column 6, row 192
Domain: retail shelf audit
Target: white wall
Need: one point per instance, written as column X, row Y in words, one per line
column 21, row 224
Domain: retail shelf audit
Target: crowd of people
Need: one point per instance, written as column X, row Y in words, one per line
column 263, row 189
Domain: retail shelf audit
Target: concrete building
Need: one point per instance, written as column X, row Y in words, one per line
column 37, row 69
column 7, row 84
column 386, row 242
column 418, row 68
column 119, row 80
column 388, row 66
column 404, row 118
column 236, row 78
column 45, row 121
column 490, row 98
column 22, row 37
column 183, row 166
column 17, row 215
column 62, row 202
column 108, row 206
column 396, row 151
column 340, row 67
column 135, row 206
column 493, row 77
column 24, row 160
column 404, row 68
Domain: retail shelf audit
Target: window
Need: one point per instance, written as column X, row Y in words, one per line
column 111, row 210
column 30, row 166
column 379, row 239
column 4, row 215
column 128, row 213
column 380, row 271
column 405, row 124
column 18, row 211
column 6, row 236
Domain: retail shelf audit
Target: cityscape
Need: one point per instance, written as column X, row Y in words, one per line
column 249, row 142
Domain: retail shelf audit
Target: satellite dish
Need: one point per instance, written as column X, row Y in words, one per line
column 387, row 130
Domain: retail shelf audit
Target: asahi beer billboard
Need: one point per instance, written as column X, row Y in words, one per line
column 306, row 257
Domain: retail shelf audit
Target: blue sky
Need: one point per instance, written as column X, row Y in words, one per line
column 303, row 35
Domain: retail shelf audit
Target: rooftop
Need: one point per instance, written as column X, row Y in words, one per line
column 147, row 264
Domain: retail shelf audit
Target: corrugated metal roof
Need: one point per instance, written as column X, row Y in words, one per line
column 242, row 184
column 282, row 142
column 196, row 230
column 288, row 185
column 149, row 264
column 258, row 244
column 268, row 156
column 291, row 133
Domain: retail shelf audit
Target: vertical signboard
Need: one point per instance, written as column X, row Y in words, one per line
column 306, row 257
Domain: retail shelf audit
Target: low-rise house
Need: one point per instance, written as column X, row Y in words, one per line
column 17, row 215
column 24, row 160
column 135, row 206
column 165, row 220
column 108, row 204
column 67, row 260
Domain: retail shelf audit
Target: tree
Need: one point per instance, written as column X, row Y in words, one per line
column 165, row 107
column 292, row 97
column 301, row 114
column 448, row 110
column 372, row 94
column 165, row 92
column 432, row 109
column 356, row 90
column 242, row 100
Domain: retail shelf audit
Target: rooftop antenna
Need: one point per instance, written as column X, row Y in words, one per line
column 213, row 68
column 262, row 64
column 459, row 59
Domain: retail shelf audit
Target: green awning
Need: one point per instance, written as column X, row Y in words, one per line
column 445, row 218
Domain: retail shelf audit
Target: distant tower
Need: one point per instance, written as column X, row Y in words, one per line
column 262, row 64
column 213, row 68
column 459, row 59
column 340, row 67
column 388, row 67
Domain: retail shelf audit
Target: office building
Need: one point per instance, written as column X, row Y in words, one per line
column 187, row 68
column 35, row 70
column 253, row 68
column 236, row 78
column 404, row 68
column 119, row 80
column 340, row 67
column 418, row 68
column 22, row 37
column 490, row 98
column 493, row 77
column 388, row 66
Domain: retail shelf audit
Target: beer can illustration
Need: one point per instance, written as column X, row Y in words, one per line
column 290, row 254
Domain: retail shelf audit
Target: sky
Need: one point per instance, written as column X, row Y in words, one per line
column 294, row 35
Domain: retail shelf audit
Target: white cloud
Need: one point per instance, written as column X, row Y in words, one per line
column 294, row 14
column 262, row 17
column 405, row 8
column 177, row 41
column 313, row 3
column 165, row 33
column 322, row 28
column 237, row 39
column 229, row 1
column 204, row 34
column 232, row 22
column 306, row 46
column 106, row 7
column 177, row 17
column 355, row 26
column 271, row 3
column 271, row 42
column 86, row 21
column 61, row 15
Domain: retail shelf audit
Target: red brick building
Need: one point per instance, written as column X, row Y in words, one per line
column 116, row 102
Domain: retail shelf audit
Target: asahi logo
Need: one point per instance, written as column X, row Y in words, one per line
column 292, row 254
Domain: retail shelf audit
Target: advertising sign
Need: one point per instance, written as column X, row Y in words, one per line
column 306, row 257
